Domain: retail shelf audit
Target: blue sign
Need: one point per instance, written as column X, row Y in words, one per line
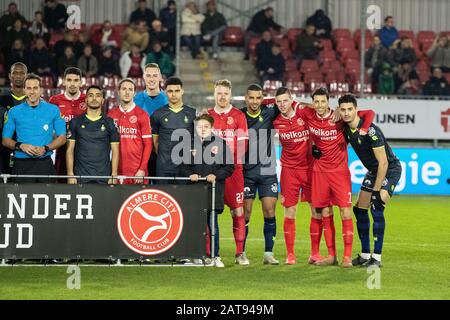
column 424, row 171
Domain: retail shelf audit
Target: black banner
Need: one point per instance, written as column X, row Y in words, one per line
column 100, row 222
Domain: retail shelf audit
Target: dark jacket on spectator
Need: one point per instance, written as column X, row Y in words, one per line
column 147, row 15
column 18, row 56
column 263, row 49
column 108, row 67
column 56, row 19
column 12, row 35
column 305, row 45
column 320, row 20
column 276, row 62
column 404, row 55
column 436, row 87
column 65, row 62
column 213, row 22
column 261, row 23
column 41, row 59
column 61, row 45
column 221, row 164
column 7, row 21
column 88, row 64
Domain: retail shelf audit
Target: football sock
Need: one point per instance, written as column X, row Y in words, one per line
column 315, row 232
column 239, row 233
column 246, row 232
column 329, row 233
column 270, row 231
column 377, row 257
column 347, row 234
column 289, row 235
column 363, row 226
column 378, row 230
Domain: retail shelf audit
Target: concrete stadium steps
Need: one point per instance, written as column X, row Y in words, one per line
column 199, row 75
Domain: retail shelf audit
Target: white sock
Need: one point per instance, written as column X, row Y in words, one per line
column 377, row 257
column 365, row 256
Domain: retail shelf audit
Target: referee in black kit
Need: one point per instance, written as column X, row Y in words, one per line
column 92, row 137
column 30, row 129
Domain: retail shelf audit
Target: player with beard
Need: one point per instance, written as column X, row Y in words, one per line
column 260, row 166
column 91, row 139
column 17, row 74
column 72, row 104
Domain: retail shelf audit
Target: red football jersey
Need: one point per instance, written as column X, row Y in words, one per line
column 70, row 108
column 232, row 127
column 294, row 139
column 329, row 138
column 135, row 139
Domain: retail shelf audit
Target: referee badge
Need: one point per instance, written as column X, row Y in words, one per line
column 166, row 120
column 261, row 119
column 186, row 120
column 103, row 128
column 45, row 127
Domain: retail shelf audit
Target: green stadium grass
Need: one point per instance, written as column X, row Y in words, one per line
column 416, row 266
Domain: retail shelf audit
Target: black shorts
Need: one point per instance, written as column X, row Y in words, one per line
column 31, row 166
column 265, row 185
column 392, row 177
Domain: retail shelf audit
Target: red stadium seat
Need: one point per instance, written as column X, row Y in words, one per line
column 341, row 33
column 350, row 54
column 296, row 87
column 352, row 65
column 291, row 64
column 314, row 76
column 447, row 76
column 327, row 55
column 286, row 53
column 233, row 36
column 120, row 28
column 327, row 44
column 422, row 65
column 368, row 43
column 406, row 34
column 425, row 35
column 95, row 27
column 357, row 35
column 334, row 65
column 309, row 65
column 330, row 76
column 426, row 45
column 284, row 44
column 345, row 44
column 292, row 76
column 292, row 36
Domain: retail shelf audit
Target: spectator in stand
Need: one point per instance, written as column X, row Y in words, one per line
column 388, row 34
column 213, row 27
column 18, row 53
column 272, row 66
column 406, row 79
column 67, row 60
column 191, row 35
column 107, row 64
column 142, row 13
column 88, row 63
column 440, row 53
column 308, row 45
column 9, row 18
column 386, row 83
column 55, row 15
column 105, row 37
column 168, row 17
column 41, row 60
column 162, row 59
column 376, row 56
column 136, row 34
column 402, row 50
column 18, row 31
column 38, row 29
column 132, row 63
column 437, row 85
column 261, row 21
column 159, row 35
column 322, row 23
column 68, row 40
column 263, row 48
